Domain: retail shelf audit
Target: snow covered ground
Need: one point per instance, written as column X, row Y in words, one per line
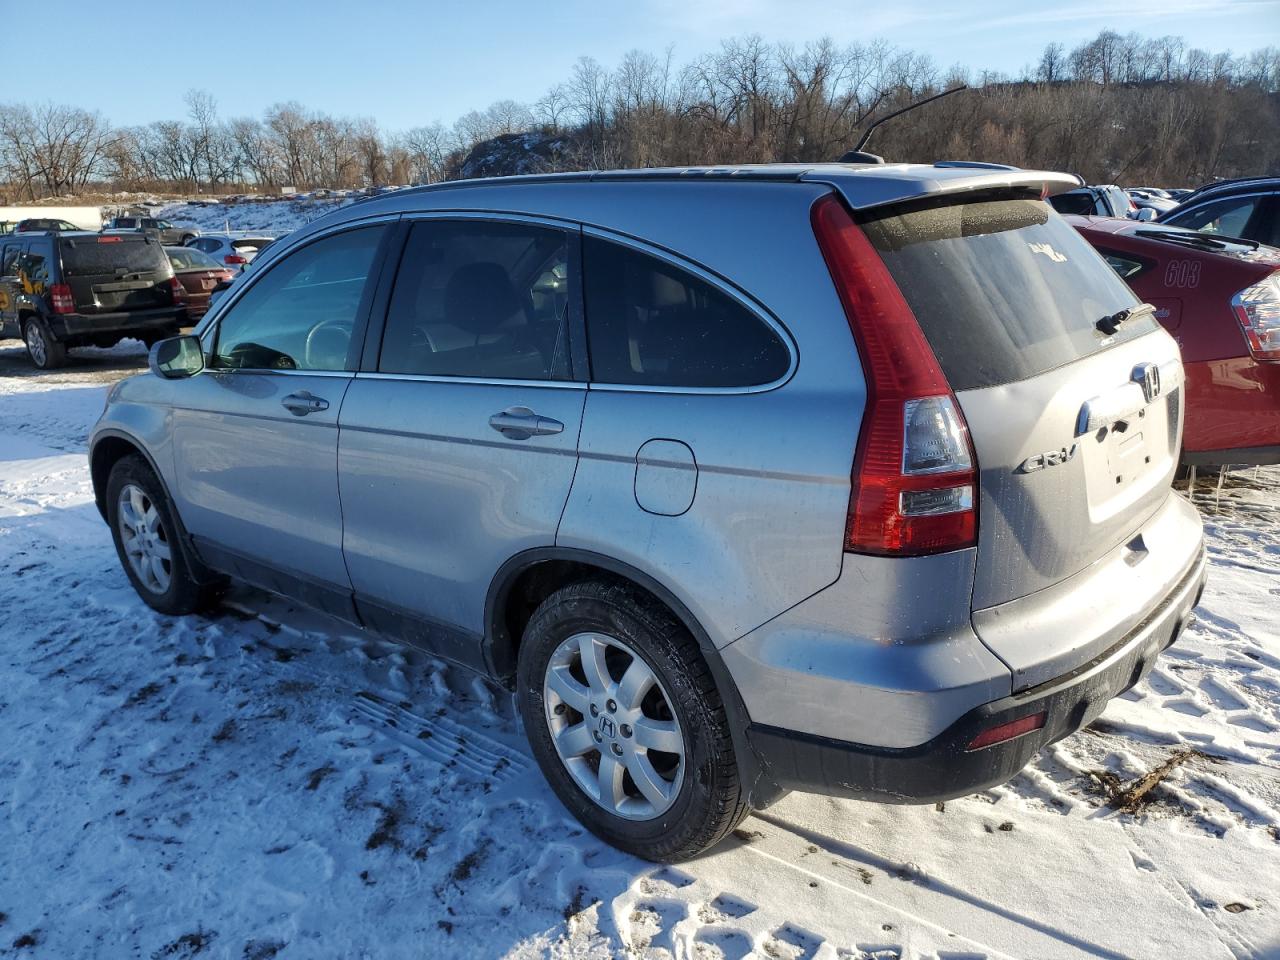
column 274, row 218
column 265, row 782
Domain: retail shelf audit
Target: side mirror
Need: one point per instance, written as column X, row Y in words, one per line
column 1146, row 215
column 176, row 358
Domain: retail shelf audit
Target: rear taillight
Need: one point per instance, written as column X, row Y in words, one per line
column 60, row 298
column 914, row 479
column 1258, row 310
column 234, row 258
column 179, row 291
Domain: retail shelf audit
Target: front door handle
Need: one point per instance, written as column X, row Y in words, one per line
column 304, row 402
column 521, row 423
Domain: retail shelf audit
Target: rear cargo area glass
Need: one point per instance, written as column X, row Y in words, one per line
column 1003, row 289
column 90, row 258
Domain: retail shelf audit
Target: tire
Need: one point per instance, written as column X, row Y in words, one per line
column 187, row 238
column 699, row 791
column 44, row 352
column 154, row 560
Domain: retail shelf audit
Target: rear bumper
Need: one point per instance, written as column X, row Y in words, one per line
column 86, row 326
column 943, row 767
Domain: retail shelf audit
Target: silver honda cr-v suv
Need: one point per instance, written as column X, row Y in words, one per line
column 845, row 479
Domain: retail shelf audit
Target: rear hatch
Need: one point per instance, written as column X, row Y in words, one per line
column 116, row 273
column 1074, row 422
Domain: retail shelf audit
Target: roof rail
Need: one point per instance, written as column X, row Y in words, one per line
column 976, row 165
column 1229, row 182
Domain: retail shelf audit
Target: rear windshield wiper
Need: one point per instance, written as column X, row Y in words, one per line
column 1201, row 240
column 1112, row 322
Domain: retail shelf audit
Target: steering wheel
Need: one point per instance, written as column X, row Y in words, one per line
column 327, row 344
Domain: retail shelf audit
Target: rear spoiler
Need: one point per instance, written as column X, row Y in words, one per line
column 868, row 187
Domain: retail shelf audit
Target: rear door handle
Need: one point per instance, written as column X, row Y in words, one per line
column 521, row 423
column 304, row 402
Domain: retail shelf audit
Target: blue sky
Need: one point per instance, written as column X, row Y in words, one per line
column 406, row 63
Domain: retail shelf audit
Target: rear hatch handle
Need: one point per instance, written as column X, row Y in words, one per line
column 1147, row 383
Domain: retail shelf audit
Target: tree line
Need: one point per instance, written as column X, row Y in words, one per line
column 1118, row 108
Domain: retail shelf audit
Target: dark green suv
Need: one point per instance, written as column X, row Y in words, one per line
column 63, row 290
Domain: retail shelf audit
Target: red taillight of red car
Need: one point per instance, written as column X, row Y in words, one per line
column 178, row 290
column 915, row 480
column 1258, row 310
column 234, row 258
column 61, row 299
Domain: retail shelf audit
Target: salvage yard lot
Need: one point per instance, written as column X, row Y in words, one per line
column 265, row 782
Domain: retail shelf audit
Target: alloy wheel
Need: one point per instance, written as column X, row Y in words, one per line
column 613, row 727
column 143, row 536
column 35, row 345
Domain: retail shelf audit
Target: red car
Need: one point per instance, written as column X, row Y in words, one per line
column 1219, row 297
column 198, row 273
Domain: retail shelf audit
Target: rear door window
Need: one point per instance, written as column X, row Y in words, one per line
column 1003, row 289
column 650, row 323
column 1228, row 216
column 10, row 262
column 33, row 268
column 480, row 299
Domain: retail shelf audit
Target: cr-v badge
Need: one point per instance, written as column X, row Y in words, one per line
column 1050, row 458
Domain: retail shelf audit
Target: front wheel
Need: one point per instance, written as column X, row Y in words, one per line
column 44, row 352
column 144, row 529
column 626, row 722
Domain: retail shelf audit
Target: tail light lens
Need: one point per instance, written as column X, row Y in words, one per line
column 1258, row 310
column 60, row 298
column 178, row 290
column 234, row 258
column 914, row 474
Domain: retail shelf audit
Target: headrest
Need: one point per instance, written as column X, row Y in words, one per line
column 479, row 298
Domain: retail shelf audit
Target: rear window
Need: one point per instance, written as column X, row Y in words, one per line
column 93, row 258
column 188, row 258
column 249, row 246
column 1003, row 289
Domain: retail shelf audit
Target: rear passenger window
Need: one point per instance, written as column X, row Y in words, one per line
column 10, row 260
column 1228, row 217
column 479, row 299
column 1125, row 267
column 33, row 267
column 650, row 323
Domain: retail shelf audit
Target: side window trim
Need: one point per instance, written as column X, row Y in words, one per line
column 724, row 286
column 382, row 301
column 362, row 311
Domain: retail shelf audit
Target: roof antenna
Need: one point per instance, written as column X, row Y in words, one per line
column 858, row 155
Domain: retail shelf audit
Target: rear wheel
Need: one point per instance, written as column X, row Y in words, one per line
column 626, row 722
column 44, row 351
column 144, row 529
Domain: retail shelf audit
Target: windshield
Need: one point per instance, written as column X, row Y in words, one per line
column 1003, row 289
